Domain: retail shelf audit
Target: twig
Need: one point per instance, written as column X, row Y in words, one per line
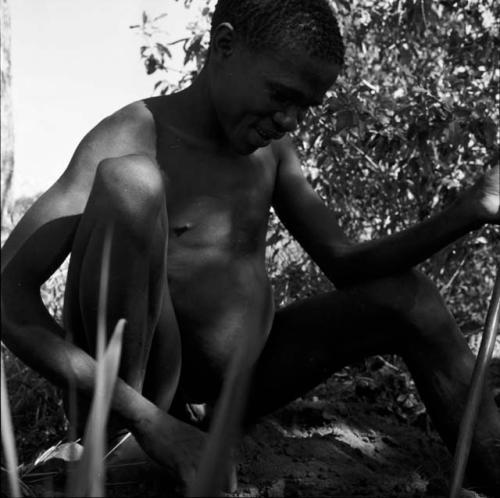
column 116, row 446
column 365, row 155
column 454, row 276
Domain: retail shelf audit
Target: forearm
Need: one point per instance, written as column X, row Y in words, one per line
column 403, row 250
column 36, row 339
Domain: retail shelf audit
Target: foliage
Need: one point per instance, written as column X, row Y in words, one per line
column 410, row 122
column 7, row 129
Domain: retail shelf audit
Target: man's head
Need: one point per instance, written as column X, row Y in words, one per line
column 269, row 61
column 270, row 25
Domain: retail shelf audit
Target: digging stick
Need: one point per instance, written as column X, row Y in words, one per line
column 469, row 418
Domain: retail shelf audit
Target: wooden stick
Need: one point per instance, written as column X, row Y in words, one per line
column 469, row 418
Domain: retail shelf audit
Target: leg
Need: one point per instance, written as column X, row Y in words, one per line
column 128, row 193
column 402, row 314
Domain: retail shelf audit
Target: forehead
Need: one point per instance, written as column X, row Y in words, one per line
column 297, row 70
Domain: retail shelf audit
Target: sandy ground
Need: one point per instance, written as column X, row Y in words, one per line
column 342, row 448
column 364, row 438
column 354, row 436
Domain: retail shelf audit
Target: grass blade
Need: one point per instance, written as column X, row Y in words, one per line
column 89, row 476
column 214, row 464
column 226, row 426
column 8, row 439
column 103, row 294
column 90, row 473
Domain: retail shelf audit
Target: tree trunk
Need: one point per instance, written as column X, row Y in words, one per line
column 7, row 128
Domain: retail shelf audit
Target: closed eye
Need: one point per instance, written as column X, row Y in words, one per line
column 283, row 95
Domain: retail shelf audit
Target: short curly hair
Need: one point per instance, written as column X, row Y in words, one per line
column 271, row 24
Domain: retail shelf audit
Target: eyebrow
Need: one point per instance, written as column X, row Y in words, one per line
column 295, row 94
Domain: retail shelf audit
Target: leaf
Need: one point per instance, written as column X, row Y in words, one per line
column 193, row 49
column 490, row 132
column 151, row 64
column 344, row 119
column 163, row 50
column 161, row 16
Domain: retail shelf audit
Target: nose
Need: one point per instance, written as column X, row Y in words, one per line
column 289, row 119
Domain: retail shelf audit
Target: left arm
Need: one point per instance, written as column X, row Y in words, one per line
column 318, row 231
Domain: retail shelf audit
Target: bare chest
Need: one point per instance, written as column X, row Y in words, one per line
column 216, row 203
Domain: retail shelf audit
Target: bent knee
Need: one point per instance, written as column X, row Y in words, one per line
column 133, row 186
column 132, row 176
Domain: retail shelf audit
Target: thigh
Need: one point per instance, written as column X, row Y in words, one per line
column 315, row 337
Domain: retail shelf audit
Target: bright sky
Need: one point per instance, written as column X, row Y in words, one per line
column 74, row 62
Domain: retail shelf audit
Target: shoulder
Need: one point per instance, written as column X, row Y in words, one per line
column 129, row 131
column 286, row 157
column 284, row 151
column 291, row 182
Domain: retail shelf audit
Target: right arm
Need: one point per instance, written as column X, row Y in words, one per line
column 34, row 250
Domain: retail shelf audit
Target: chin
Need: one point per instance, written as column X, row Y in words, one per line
column 247, row 144
column 245, row 149
column 255, row 148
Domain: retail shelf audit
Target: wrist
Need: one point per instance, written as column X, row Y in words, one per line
column 131, row 408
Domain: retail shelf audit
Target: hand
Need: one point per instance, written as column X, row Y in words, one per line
column 485, row 195
column 174, row 445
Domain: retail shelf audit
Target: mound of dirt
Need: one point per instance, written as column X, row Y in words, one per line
column 331, row 444
column 357, row 435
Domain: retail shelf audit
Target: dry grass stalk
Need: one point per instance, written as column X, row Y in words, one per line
column 89, row 476
column 8, row 439
column 226, row 427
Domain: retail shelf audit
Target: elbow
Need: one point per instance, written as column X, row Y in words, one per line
column 336, row 263
column 15, row 299
column 341, row 278
column 9, row 315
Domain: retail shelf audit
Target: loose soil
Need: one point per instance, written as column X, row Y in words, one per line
column 367, row 437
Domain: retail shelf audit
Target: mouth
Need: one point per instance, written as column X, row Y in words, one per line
column 269, row 135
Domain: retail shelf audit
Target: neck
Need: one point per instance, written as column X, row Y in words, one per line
column 201, row 121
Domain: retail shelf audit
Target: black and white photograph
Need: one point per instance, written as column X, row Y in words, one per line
column 250, row 248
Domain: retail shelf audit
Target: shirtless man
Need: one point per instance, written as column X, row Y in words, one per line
column 187, row 180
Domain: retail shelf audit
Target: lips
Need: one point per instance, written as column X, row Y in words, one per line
column 268, row 134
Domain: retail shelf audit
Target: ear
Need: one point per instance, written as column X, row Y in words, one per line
column 223, row 41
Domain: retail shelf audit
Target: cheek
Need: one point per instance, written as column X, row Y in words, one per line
column 247, row 98
column 239, row 106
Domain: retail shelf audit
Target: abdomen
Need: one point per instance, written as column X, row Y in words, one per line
column 217, row 301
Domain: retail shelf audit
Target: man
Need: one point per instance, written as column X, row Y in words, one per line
column 187, row 181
